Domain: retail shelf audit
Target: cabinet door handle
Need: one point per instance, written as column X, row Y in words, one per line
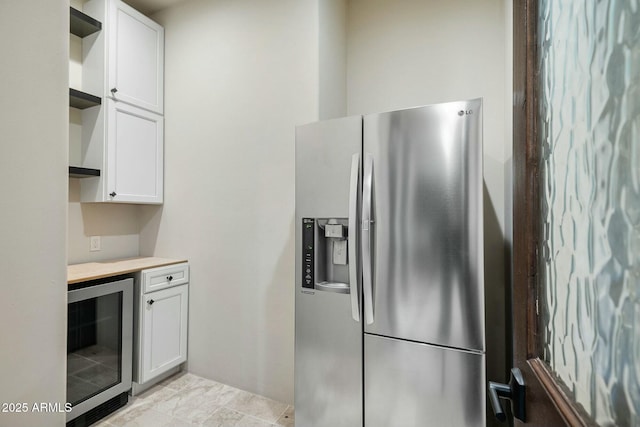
column 169, row 278
column 112, row 194
column 150, row 302
column 114, row 90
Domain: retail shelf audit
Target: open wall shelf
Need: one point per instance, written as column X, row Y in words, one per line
column 78, row 172
column 82, row 100
column 82, row 25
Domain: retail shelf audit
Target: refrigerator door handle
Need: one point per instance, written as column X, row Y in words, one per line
column 352, row 239
column 367, row 224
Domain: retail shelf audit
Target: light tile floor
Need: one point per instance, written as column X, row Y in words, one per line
column 186, row 400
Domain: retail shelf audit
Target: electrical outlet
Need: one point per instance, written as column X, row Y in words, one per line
column 95, row 243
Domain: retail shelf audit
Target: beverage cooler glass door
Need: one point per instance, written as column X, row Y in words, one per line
column 99, row 339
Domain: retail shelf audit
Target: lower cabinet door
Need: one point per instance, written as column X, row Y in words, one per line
column 410, row 384
column 164, row 330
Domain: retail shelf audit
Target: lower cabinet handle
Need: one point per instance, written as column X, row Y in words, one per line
column 112, row 194
column 169, row 278
column 150, row 302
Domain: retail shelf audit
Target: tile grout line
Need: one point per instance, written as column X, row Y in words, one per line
column 253, row 416
column 280, row 416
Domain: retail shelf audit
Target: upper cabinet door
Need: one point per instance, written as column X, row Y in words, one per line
column 136, row 58
column 135, row 155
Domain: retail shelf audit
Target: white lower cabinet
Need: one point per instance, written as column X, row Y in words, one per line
column 160, row 324
column 164, row 336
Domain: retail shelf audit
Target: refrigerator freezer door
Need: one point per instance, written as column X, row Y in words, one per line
column 426, row 224
column 418, row 385
column 328, row 362
column 328, row 339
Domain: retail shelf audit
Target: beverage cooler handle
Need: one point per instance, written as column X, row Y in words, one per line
column 367, row 224
column 352, row 242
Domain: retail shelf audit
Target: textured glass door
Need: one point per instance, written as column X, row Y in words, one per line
column 589, row 141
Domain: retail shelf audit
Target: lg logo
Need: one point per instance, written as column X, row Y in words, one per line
column 465, row 112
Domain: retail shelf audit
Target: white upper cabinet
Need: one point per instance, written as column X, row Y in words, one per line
column 123, row 137
column 135, row 58
column 134, row 154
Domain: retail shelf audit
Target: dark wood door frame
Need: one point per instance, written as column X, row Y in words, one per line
column 548, row 401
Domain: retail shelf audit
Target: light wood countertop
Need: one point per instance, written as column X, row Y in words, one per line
column 77, row 273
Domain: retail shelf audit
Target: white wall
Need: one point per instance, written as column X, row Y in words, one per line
column 417, row 52
column 33, row 131
column 117, row 225
column 240, row 74
column 332, row 57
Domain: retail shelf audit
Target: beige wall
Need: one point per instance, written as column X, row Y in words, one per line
column 240, row 74
column 33, row 131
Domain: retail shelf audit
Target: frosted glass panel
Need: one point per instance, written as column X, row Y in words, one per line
column 589, row 128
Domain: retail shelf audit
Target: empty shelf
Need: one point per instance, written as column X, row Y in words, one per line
column 82, row 100
column 78, row 172
column 82, row 25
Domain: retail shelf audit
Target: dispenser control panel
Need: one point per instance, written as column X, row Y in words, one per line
column 308, row 246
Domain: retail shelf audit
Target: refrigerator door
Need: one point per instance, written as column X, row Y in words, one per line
column 328, row 331
column 423, row 189
column 419, row 385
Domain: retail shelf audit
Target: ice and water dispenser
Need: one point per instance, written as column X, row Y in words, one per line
column 325, row 265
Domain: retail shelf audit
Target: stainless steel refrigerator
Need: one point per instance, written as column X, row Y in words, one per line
column 389, row 269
